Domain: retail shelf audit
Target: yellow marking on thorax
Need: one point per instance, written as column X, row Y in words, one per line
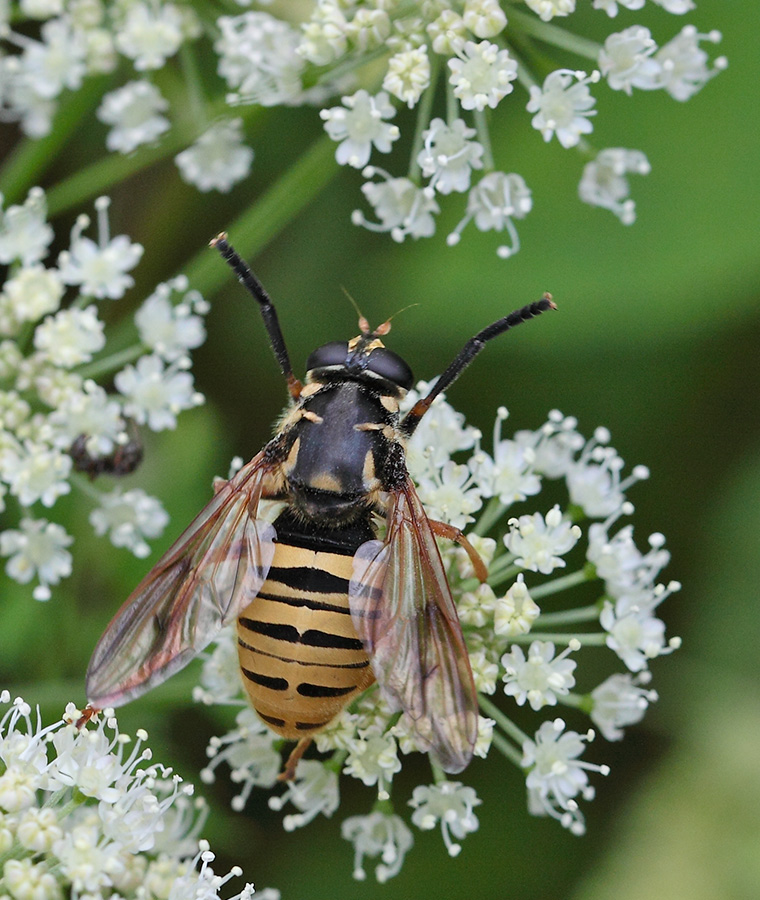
column 390, row 403
column 326, row 481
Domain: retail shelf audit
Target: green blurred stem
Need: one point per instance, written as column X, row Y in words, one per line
column 561, row 584
column 569, row 616
column 481, row 126
column 506, row 749
column 423, row 118
column 554, row 35
column 502, row 720
column 589, row 639
column 491, row 514
column 111, row 363
column 266, row 218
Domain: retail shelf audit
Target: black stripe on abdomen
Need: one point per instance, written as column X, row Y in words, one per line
column 317, row 581
column 311, row 638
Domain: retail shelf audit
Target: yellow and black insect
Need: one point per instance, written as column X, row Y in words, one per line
column 323, row 607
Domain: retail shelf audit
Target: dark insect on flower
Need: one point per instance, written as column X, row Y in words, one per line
column 323, row 606
column 124, row 459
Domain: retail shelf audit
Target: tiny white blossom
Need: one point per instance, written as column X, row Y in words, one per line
column 155, row 393
column 56, row 62
column 509, row 474
column 442, row 432
column 448, row 155
column 611, row 6
column 314, row 790
column 99, row 268
column 447, row 32
column 493, row 202
column 171, row 329
column 70, row 337
column 378, row 834
column 373, row 759
column 484, row 18
column 324, row 38
column 450, row 495
column 684, row 65
column 37, row 550
column 359, row 125
column 368, row 29
column 563, row 106
column 620, row 563
column 619, row 701
column 604, row 183
column 404, row 209
column 634, row 632
column 218, row 159
column 128, row 518
column 408, row 75
column 35, row 472
column 539, row 543
column 594, row 479
column 134, row 110
column 150, row 34
column 540, row 677
column 481, row 75
column 547, row 9
column 88, row 412
column 451, row 803
column 33, row 293
column 516, row 611
column 626, row 60
column 24, row 233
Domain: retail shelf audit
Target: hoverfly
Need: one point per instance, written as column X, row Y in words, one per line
column 323, row 607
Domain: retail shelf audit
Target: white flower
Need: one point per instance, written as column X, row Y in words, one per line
column 359, row 125
column 368, row 29
column 441, row 433
column 404, row 209
column 378, row 834
column 447, row 32
column 620, row 701
column 92, row 413
column 604, row 183
column 134, row 110
column 556, row 774
column 218, row 159
column 448, row 155
column 56, row 62
column 541, row 677
column 155, row 393
column 484, row 671
column 314, row 790
column 626, row 60
column 611, row 6
column 450, row 495
column 634, row 632
column 171, row 329
column 451, row 803
column 70, row 337
column 493, row 202
column 484, row 18
column 24, row 234
column 257, row 56
column 509, row 474
column 99, row 268
column 150, row 34
column 408, row 75
column 547, row 9
column 539, row 543
column 128, row 518
column 373, row 759
column 35, row 472
column 33, row 293
column 620, row 563
column 481, row 75
column 594, row 479
column 516, row 611
column 684, row 64
column 563, row 106
column 324, row 38
column 37, row 550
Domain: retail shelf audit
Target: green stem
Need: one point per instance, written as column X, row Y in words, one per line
column 561, row 584
column 111, row 363
column 492, row 513
column 570, row 616
column 423, row 118
column 271, row 212
column 506, row 749
column 481, row 126
column 502, row 720
column 504, row 575
column 589, row 639
column 554, row 35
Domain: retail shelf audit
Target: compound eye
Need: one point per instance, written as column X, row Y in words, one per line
column 333, row 354
column 391, row 367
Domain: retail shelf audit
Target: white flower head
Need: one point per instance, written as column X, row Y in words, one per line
column 626, row 60
column 634, row 632
column 171, row 329
column 128, row 518
column 540, row 543
column 89, row 412
column 451, row 803
column 408, row 75
column 516, row 611
column 441, row 433
column 563, row 106
column 484, row 18
column 684, row 65
column 314, row 790
column 604, row 183
column 481, row 75
column 540, row 677
column 547, row 9
column 509, row 474
column 55, row 63
column 24, row 233
column 70, row 337
column 155, row 393
column 150, row 34
column 373, row 758
column 359, row 125
column 493, row 203
column 134, row 112
column 33, row 293
column 404, row 209
column 100, row 269
column 218, row 159
column 378, row 834
column 449, row 155
column 37, row 549
column 35, row 471
column 619, row 701
column 450, row 495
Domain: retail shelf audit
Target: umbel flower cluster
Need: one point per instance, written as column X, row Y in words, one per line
column 548, row 512
column 459, row 64
column 58, row 423
column 85, row 813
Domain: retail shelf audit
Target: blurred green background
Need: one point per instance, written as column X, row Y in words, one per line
column 657, row 337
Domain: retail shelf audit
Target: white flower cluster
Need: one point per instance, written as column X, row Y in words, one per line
column 54, row 416
column 532, row 652
column 84, row 813
column 372, row 55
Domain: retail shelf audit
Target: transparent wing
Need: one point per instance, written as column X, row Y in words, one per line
column 403, row 611
column 201, row 583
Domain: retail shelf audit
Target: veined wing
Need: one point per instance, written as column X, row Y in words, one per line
column 403, row 611
column 214, row 569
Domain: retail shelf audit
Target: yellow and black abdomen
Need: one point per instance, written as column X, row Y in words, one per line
column 300, row 657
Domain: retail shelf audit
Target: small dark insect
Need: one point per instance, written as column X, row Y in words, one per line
column 323, row 607
column 122, row 461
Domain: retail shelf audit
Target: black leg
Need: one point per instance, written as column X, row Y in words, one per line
column 468, row 353
column 268, row 314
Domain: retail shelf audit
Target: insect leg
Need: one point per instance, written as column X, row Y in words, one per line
column 466, row 355
column 289, row 772
column 442, row 529
column 268, row 313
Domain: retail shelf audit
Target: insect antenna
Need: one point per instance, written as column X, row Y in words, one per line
column 466, row 355
column 268, row 313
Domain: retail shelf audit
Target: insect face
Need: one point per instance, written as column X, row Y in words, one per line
column 323, row 606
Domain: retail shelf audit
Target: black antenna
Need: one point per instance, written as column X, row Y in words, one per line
column 268, row 313
column 466, row 355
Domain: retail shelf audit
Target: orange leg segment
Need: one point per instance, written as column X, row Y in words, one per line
column 441, row 529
